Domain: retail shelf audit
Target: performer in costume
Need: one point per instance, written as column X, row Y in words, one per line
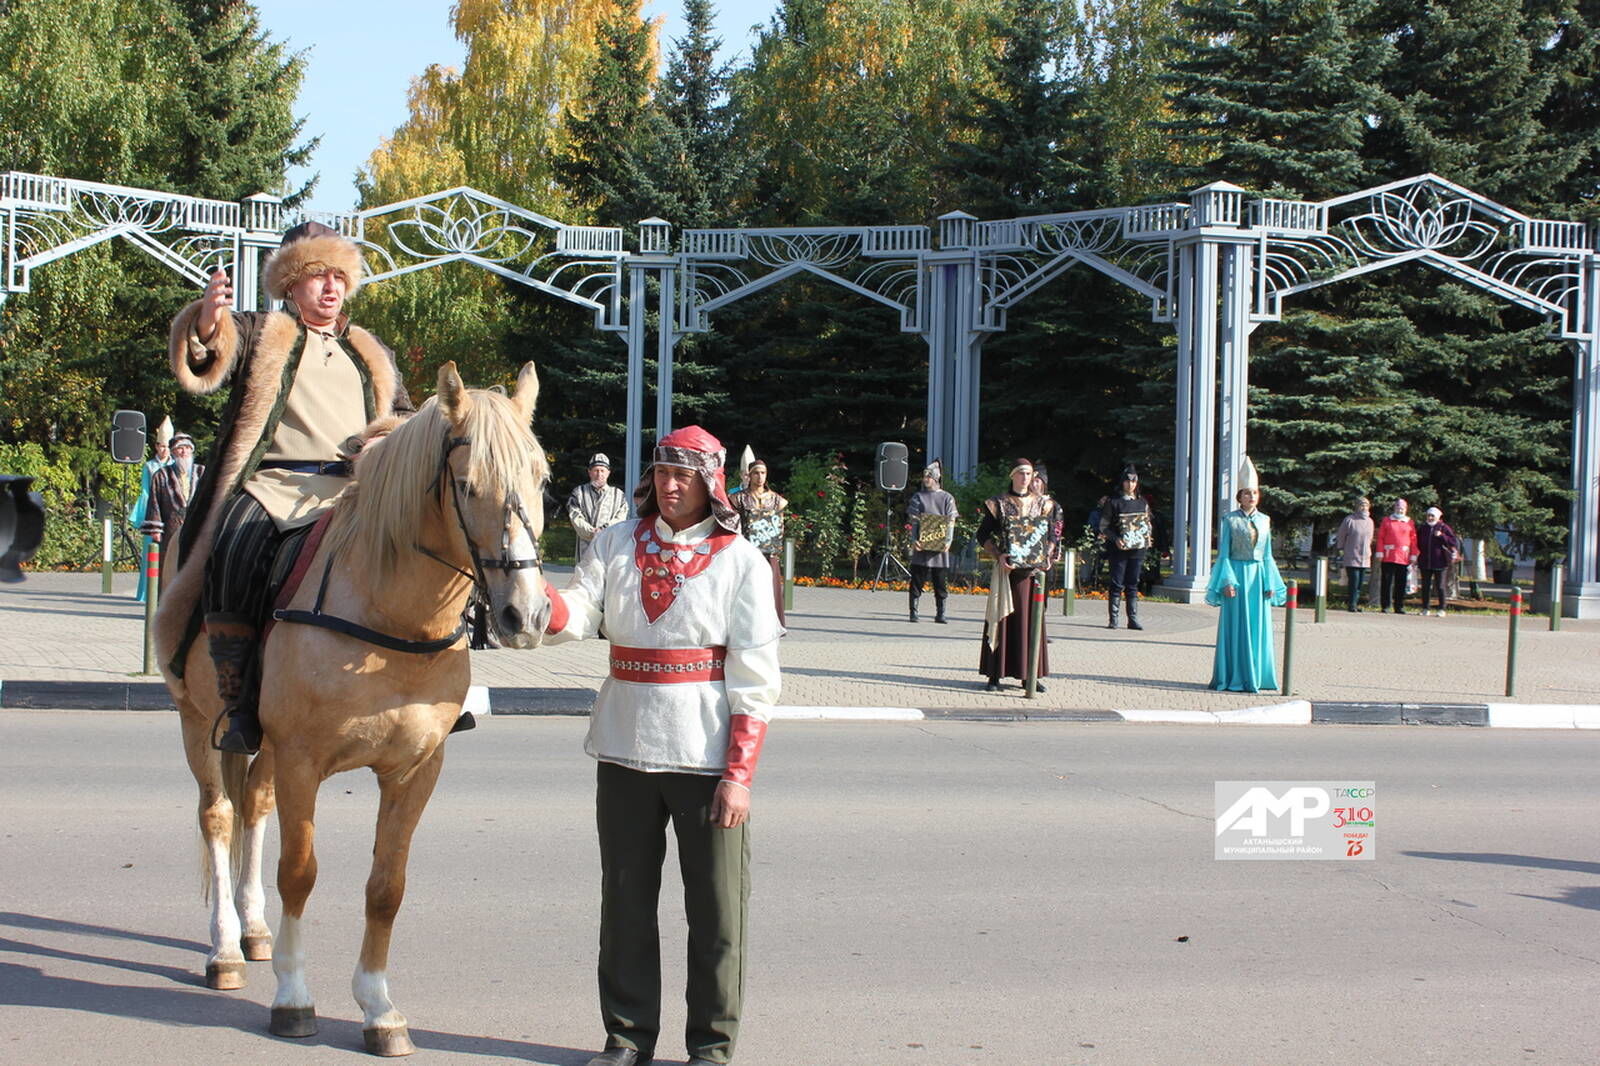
column 594, row 505
column 1015, row 532
column 761, row 518
column 1245, row 583
column 676, row 731
column 301, row 383
column 171, row 489
column 1127, row 533
column 161, row 455
column 931, row 518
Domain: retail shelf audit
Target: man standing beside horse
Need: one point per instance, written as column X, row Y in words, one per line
column 301, row 383
column 677, row 729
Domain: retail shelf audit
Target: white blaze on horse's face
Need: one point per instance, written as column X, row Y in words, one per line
column 500, row 523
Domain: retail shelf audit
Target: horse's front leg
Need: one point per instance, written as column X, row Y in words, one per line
column 250, row 899
column 293, row 1011
column 403, row 796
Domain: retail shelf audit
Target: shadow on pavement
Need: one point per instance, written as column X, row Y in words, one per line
column 28, row 986
column 62, row 925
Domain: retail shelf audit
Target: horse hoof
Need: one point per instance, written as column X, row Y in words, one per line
column 388, row 1043
column 225, row 976
column 293, row 1021
column 257, row 948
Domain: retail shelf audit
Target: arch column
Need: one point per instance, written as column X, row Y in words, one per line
column 955, row 346
column 1581, row 593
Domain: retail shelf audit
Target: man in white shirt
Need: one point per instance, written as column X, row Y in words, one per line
column 676, row 730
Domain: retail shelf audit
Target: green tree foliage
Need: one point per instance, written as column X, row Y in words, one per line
column 178, row 95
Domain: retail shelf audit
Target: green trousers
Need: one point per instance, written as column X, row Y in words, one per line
column 632, row 809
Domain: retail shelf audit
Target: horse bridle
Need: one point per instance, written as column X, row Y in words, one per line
column 513, row 506
column 479, row 576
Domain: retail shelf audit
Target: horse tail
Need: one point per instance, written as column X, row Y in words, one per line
column 235, row 772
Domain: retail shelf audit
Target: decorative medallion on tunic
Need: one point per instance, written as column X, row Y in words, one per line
column 1028, row 540
column 664, row 567
column 933, row 532
column 764, row 526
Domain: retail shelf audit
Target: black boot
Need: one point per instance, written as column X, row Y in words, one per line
column 1114, row 603
column 938, row 610
column 914, row 598
column 233, row 650
column 1133, row 608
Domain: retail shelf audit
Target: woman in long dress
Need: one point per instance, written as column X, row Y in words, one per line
column 1245, row 584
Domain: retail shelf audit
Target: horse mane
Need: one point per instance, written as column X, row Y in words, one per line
column 378, row 514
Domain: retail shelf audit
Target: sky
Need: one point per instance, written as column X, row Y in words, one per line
column 362, row 54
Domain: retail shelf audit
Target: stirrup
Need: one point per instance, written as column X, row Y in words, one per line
column 241, row 737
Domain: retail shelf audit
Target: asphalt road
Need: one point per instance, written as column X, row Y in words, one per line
column 929, row 893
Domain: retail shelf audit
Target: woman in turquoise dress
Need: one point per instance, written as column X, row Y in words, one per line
column 1246, row 584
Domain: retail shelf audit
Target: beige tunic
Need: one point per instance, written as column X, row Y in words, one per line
column 325, row 405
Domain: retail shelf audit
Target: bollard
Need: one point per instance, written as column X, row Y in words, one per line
column 1511, row 643
column 105, row 554
column 1036, row 633
column 1319, row 584
column 1556, row 574
column 152, row 592
column 1288, row 638
column 788, row 575
column 1069, row 581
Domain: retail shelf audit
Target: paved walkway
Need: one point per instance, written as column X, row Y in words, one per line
column 855, row 649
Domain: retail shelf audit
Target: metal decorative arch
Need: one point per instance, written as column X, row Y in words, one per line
column 1215, row 267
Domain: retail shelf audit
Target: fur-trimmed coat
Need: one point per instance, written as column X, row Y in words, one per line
column 257, row 355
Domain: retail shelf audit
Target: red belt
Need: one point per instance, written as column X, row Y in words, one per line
column 667, row 666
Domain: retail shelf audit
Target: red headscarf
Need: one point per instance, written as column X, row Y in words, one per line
column 693, row 449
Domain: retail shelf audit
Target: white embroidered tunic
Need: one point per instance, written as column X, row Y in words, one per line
column 661, row 591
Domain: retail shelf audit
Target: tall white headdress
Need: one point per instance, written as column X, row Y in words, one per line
column 746, row 458
column 1247, row 476
column 164, row 431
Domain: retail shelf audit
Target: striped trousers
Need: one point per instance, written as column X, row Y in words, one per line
column 239, row 570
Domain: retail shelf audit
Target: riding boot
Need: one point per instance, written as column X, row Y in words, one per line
column 938, row 613
column 1114, row 603
column 1133, row 607
column 233, row 650
column 915, row 596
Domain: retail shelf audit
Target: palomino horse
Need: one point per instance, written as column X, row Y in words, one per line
column 402, row 553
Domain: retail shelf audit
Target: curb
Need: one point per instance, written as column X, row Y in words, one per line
column 575, row 702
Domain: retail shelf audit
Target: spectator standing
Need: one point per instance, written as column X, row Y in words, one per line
column 1126, row 530
column 931, row 514
column 1397, row 550
column 1354, row 542
column 161, row 455
column 594, row 505
column 171, row 489
column 1437, row 550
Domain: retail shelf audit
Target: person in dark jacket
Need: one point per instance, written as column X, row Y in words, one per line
column 1126, row 530
column 1437, row 550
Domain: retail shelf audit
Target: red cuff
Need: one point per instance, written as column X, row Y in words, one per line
column 745, row 735
column 558, row 610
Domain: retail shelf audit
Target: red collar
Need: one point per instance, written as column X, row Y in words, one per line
column 664, row 566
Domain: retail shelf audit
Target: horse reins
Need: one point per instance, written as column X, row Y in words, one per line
column 479, row 576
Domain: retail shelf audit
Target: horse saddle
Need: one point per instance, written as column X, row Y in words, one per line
column 289, row 567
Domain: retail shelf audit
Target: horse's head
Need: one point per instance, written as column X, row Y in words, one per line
column 492, row 481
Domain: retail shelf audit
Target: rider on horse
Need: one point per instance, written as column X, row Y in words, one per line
column 301, row 383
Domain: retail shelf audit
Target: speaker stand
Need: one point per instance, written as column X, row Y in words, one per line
column 888, row 556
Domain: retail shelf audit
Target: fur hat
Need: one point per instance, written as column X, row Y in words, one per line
column 693, row 449
column 934, row 470
column 1129, row 473
column 600, row 459
column 309, row 249
column 180, row 438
